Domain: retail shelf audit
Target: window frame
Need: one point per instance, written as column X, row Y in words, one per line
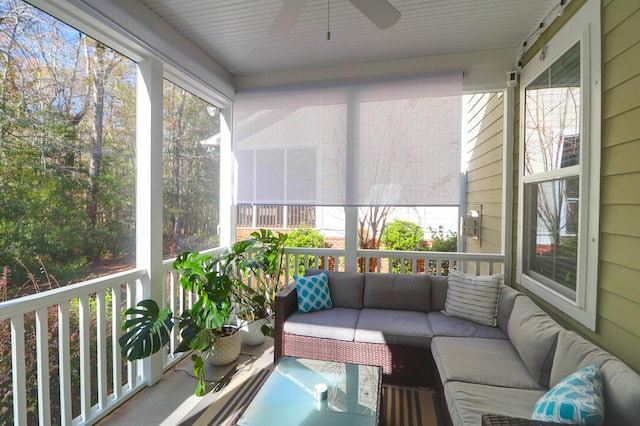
column 583, row 27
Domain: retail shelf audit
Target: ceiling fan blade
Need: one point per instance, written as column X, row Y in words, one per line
column 380, row 12
column 287, row 17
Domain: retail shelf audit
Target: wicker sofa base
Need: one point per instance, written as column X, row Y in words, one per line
column 402, row 365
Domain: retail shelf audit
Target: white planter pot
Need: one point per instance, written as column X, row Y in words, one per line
column 226, row 349
column 251, row 332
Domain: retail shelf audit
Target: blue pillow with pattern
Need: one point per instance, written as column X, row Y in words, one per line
column 577, row 399
column 313, row 293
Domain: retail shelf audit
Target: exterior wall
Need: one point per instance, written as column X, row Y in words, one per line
column 618, row 313
column 483, row 136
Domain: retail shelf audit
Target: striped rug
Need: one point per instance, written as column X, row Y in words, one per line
column 407, row 407
column 401, row 406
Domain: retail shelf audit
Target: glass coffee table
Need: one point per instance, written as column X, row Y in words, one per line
column 310, row 392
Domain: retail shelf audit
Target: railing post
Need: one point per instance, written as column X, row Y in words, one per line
column 285, row 217
column 42, row 349
column 18, row 371
column 351, row 239
column 149, row 191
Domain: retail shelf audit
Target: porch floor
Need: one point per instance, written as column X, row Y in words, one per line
column 170, row 400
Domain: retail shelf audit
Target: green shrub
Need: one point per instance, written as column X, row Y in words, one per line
column 402, row 235
column 441, row 241
column 304, row 236
column 444, row 242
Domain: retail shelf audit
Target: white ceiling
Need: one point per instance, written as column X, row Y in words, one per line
column 236, row 32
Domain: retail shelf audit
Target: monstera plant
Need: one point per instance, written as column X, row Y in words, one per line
column 258, row 266
column 221, row 287
column 148, row 328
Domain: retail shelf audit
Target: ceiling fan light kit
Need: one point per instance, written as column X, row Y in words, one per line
column 382, row 13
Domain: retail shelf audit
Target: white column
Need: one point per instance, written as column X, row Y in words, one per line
column 149, row 191
column 228, row 177
column 507, row 181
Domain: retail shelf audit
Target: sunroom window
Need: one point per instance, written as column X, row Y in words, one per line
column 559, row 168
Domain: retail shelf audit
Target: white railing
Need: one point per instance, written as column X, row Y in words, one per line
column 91, row 377
column 312, row 258
column 430, row 262
column 79, row 374
column 75, row 329
column 416, row 262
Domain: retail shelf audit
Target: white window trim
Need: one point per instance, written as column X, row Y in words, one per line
column 584, row 26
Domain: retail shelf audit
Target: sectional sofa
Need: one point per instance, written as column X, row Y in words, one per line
column 403, row 323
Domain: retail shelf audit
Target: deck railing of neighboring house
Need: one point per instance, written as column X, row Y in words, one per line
column 275, row 216
column 96, row 306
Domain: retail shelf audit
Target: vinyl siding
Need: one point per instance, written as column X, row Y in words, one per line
column 618, row 312
column 618, row 327
column 483, row 144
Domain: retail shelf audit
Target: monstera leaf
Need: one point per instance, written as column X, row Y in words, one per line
column 147, row 330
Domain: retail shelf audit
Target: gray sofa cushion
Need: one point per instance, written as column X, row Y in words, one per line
column 439, row 286
column 444, row 325
column 572, row 353
column 393, row 327
column 492, row 362
column 467, row 402
column 505, row 305
column 336, row 323
column 621, row 384
column 533, row 333
column 397, row 291
column 346, row 288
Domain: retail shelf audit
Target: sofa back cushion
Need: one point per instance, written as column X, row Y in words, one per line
column 439, row 286
column 621, row 383
column 397, row 291
column 533, row 333
column 346, row 288
column 505, row 305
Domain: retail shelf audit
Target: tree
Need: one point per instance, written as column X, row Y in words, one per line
column 371, row 223
column 100, row 63
column 49, row 124
column 191, row 171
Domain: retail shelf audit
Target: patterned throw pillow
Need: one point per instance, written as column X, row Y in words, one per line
column 577, row 399
column 313, row 293
column 472, row 297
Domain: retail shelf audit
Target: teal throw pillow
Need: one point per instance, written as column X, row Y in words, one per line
column 313, row 293
column 577, row 399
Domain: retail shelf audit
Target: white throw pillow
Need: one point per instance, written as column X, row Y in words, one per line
column 472, row 297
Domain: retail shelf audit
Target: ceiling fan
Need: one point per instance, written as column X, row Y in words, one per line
column 380, row 12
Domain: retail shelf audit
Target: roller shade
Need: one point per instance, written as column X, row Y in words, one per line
column 384, row 142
